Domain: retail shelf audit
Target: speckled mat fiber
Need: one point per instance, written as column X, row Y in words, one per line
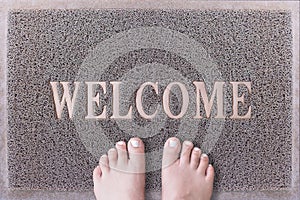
column 138, row 46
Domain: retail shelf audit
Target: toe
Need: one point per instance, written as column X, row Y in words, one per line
column 203, row 164
column 210, row 173
column 195, row 158
column 186, row 152
column 112, row 157
column 104, row 164
column 135, row 145
column 122, row 153
column 97, row 173
column 171, row 151
column 136, row 155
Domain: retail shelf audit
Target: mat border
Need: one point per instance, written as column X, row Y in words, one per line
column 5, row 5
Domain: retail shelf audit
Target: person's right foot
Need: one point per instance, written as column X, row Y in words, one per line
column 121, row 173
column 188, row 177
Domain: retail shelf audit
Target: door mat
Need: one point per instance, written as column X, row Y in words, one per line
column 221, row 79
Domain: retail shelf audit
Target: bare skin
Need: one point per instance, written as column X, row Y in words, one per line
column 121, row 173
column 189, row 177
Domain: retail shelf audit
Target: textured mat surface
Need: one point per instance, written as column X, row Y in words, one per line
column 135, row 46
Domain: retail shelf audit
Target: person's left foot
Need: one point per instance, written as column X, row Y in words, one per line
column 121, row 173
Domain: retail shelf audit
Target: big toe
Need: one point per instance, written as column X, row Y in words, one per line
column 136, row 151
column 171, row 151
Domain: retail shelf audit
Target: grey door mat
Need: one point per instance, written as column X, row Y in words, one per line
column 133, row 47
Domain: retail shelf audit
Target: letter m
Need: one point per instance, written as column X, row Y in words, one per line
column 66, row 98
column 208, row 103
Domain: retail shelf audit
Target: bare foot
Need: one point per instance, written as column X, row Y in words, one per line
column 121, row 174
column 188, row 177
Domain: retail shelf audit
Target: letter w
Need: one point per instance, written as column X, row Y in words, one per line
column 66, row 98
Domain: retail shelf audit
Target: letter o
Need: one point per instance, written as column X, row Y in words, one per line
column 166, row 100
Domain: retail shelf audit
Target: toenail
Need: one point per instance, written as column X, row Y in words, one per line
column 103, row 156
column 172, row 143
column 204, row 156
column 120, row 143
column 112, row 150
column 135, row 143
column 188, row 143
column 196, row 149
